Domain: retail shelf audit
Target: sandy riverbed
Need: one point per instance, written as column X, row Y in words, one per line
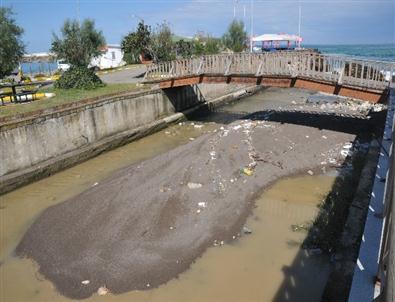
column 148, row 222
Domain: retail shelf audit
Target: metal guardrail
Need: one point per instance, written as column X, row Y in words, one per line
column 335, row 69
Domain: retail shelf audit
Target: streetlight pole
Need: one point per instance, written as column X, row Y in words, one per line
column 299, row 23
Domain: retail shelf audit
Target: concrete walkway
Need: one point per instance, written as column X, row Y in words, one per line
column 134, row 74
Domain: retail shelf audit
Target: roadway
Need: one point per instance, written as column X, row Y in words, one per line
column 129, row 74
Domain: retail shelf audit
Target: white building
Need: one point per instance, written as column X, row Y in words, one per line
column 111, row 57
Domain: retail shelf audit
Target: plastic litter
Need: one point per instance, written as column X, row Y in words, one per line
column 193, row 185
column 85, row 282
column 247, row 171
column 202, row 204
column 103, row 290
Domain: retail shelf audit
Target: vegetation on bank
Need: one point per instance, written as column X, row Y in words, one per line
column 11, row 45
column 159, row 43
column 78, row 45
column 66, row 96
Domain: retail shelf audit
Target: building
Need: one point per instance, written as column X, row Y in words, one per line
column 111, row 57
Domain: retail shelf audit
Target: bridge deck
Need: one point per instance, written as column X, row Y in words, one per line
column 363, row 79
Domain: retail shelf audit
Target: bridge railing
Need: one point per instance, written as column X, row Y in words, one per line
column 341, row 70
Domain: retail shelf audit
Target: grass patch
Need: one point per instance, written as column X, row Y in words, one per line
column 64, row 96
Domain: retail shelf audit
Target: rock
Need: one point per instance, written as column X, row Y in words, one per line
column 193, row 185
column 246, row 230
column 103, row 290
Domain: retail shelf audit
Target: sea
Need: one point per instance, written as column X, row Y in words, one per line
column 379, row 52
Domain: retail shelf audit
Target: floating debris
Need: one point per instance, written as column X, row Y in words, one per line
column 246, row 230
column 300, row 227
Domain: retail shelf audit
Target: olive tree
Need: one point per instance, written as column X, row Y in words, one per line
column 11, row 45
column 78, row 45
column 235, row 38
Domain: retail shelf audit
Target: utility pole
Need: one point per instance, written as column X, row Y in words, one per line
column 252, row 24
column 244, row 17
column 78, row 11
column 299, row 23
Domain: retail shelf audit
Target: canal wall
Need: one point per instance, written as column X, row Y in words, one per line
column 39, row 145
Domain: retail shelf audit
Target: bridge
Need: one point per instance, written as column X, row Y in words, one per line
column 362, row 79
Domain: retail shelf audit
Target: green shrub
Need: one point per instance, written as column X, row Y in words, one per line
column 79, row 78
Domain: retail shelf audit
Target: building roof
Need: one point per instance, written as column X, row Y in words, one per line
column 277, row 37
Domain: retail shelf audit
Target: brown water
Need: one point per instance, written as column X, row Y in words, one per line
column 267, row 265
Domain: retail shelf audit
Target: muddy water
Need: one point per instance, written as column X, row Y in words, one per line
column 266, row 265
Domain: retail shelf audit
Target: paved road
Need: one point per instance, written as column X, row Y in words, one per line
column 132, row 75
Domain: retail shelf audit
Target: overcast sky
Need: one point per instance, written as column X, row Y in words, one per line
column 323, row 21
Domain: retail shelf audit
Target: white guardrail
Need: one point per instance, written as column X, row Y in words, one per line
column 341, row 70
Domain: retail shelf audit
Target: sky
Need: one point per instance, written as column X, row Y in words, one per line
column 322, row 21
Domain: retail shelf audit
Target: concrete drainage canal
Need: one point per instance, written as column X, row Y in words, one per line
column 241, row 202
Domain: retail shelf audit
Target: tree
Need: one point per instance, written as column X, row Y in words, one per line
column 198, row 47
column 162, row 46
column 11, row 45
column 212, row 45
column 136, row 43
column 235, row 38
column 184, row 49
column 78, row 45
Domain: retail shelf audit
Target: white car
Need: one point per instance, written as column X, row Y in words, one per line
column 63, row 65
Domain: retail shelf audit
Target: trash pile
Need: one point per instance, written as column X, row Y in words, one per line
column 334, row 103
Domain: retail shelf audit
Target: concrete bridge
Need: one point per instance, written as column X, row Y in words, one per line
column 361, row 79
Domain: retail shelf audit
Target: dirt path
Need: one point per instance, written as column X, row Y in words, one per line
column 148, row 222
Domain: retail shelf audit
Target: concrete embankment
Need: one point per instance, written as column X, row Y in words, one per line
column 38, row 145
